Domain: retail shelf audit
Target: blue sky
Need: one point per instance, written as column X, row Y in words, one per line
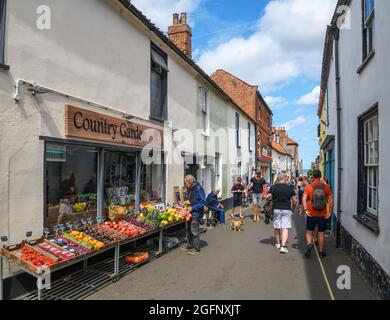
column 275, row 44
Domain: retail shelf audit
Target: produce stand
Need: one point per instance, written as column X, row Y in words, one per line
column 90, row 278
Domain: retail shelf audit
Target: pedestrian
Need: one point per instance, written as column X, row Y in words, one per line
column 214, row 205
column 283, row 196
column 256, row 185
column 301, row 188
column 314, row 200
column 197, row 204
column 238, row 191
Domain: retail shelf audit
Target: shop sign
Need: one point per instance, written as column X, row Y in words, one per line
column 86, row 124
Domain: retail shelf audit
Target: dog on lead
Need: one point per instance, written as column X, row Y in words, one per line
column 236, row 224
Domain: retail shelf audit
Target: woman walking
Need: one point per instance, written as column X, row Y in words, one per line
column 282, row 197
column 238, row 191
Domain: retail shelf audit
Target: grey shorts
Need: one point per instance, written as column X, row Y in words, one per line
column 282, row 219
column 258, row 199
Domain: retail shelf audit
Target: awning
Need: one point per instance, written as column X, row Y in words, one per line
column 158, row 59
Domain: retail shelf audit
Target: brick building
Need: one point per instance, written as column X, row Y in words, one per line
column 249, row 99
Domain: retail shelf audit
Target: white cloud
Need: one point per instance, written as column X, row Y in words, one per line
column 287, row 43
column 311, row 98
column 160, row 11
column 276, row 103
column 294, row 123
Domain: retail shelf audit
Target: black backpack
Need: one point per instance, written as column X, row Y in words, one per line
column 318, row 198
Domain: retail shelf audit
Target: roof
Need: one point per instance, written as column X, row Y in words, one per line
column 291, row 141
column 328, row 51
column 256, row 87
column 277, row 147
column 235, row 77
column 153, row 28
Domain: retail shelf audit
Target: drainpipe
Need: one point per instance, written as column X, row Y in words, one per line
column 335, row 33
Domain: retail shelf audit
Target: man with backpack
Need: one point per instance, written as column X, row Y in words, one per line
column 315, row 198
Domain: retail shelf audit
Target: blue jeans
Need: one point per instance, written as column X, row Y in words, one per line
column 220, row 214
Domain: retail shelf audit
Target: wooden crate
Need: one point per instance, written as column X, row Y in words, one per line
column 14, row 253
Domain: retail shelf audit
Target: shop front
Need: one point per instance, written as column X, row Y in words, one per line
column 99, row 165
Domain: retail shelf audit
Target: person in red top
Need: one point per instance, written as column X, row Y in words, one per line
column 314, row 201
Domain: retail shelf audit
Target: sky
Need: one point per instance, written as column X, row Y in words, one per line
column 275, row 44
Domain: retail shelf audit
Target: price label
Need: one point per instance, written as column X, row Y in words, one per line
column 4, row 239
column 28, row 234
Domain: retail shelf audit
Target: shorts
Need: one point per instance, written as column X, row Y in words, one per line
column 258, row 199
column 282, row 219
column 312, row 222
column 237, row 202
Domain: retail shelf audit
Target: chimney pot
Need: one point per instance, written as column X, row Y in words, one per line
column 175, row 19
column 183, row 18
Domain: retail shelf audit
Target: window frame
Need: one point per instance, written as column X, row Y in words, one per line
column 164, row 75
column 368, row 30
column 204, row 109
column 237, row 129
column 249, row 137
column 3, row 21
column 366, row 168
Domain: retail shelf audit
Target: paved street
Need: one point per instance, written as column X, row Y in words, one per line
column 240, row 265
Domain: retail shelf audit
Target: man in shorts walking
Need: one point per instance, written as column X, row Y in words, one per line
column 282, row 196
column 257, row 184
column 315, row 198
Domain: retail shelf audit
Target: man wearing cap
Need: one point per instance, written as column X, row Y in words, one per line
column 256, row 185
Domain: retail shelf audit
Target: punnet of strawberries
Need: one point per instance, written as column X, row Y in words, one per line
column 36, row 258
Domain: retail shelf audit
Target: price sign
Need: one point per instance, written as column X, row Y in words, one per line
column 4, row 239
column 28, row 234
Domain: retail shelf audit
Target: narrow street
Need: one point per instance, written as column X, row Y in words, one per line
column 241, row 265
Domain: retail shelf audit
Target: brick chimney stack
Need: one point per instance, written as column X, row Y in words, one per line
column 180, row 33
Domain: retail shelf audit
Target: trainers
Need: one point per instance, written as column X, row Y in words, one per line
column 322, row 254
column 283, row 249
column 309, row 248
column 193, row 251
column 277, row 245
column 186, row 248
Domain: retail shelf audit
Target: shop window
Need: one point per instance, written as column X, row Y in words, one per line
column 151, row 182
column 2, row 29
column 368, row 27
column 369, row 164
column 120, row 178
column 71, row 183
column 158, row 85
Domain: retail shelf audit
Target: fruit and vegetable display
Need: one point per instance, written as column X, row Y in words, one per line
column 137, row 222
column 92, row 232
column 84, row 239
column 123, row 225
column 69, row 245
column 36, row 258
column 126, row 228
column 63, row 255
column 110, row 233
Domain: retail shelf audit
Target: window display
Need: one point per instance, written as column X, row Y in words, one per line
column 71, row 183
column 120, row 178
column 151, row 182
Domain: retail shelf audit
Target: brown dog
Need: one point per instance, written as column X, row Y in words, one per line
column 236, row 224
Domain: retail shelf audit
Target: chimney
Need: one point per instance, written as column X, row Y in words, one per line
column 180, row 33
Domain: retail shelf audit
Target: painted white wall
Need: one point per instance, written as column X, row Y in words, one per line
column 358, row 93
